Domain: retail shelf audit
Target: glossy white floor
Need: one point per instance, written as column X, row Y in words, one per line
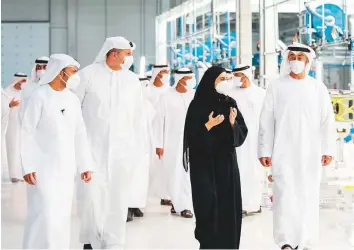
column 159, row 230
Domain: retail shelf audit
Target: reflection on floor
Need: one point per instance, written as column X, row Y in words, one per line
column 159, row 230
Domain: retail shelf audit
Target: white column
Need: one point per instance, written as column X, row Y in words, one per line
column 72, row 28
column 244, row 34
column 58, row 26
column 161, row 41
column 269, row 40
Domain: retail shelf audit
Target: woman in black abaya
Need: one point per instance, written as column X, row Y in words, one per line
column 214, row 127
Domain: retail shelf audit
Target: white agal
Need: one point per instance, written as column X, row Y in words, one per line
column 13, row 132
column 53, row 144
column 114, row 112
column 250, row 102
column 5, row 111
column 172, row 109
column 297, row 127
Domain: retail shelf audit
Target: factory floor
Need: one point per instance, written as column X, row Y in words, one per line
column 159, row 230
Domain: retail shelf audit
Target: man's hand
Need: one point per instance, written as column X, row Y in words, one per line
column 233, row 115
column 86, row 176
column 31, row 178
column 326, row 160
column 266, row 161
column 14, row 103
column 270, row 178
column 159, row 152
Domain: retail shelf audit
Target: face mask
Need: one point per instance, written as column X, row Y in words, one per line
column 128, row 62
column 165, row 80
column 73, row 81
column 237, row 81
column 40, row 73
column 190, row 84
column 297, row 67
column 224, row 87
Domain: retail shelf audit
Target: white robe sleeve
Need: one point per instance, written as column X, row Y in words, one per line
column 266, row 126
column 5, row 109
column 328, row 133
column 83, row 156
column 81, row 90
column 140, row 120
column 159, row 125
column 29, row 146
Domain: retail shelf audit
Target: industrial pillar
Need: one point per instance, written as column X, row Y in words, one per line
column 161, row 41
column 244, row 31
column 269, row 31
column 72, row 28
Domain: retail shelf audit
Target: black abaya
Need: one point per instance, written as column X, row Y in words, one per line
column 214, row 173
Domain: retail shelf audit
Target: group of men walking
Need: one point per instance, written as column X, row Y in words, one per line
column 123, row 137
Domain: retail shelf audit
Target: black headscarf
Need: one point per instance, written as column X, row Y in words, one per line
column 206, row 89
column 205, row 100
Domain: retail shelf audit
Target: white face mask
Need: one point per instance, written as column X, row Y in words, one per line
column 165, row 80
column 40, row 73
column 128, row 62
column 72, row 82
column 297, row 67
column 224, row 87
column 190, row 84
column 237, row 81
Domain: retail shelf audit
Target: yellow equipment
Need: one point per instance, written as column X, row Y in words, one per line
column 343, row 106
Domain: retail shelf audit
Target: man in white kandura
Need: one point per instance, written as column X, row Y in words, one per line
column 140, row 179
column 114, row 113
column 296, row 136
column 159, row 85
column 171, row 115
column 12, row 136
column 249, row 99
column 53, row 145
column 37, row 73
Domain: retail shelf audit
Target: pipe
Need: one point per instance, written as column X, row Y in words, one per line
column 228, row 33
column 238, row 37
column 275, row 4
column 212, row 26
column 352, row 50
column 323, row 25
column 346, row 31
column 262, row 41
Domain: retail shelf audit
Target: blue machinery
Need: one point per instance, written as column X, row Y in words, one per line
column 329, row 29
column 198, row 34
column 204, row 32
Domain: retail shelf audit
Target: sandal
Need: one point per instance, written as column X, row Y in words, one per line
column 186, row 214
column 166, row 203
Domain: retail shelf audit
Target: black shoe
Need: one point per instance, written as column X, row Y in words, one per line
column 130, row 215
column 244, row 213
column 287, row 247
column 166, row 202
column 87, row 246
column 137, row 212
